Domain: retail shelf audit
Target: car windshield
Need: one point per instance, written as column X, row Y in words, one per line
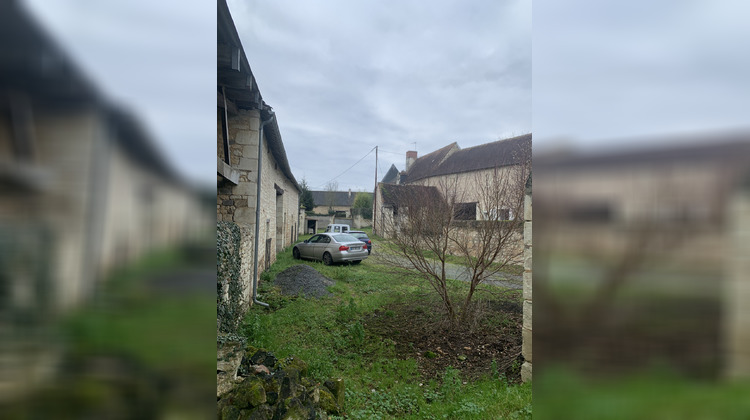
column 345, row 238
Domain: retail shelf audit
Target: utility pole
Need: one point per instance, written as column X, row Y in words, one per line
column 375, row 195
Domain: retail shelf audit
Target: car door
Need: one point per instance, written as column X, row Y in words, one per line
column 307, row 249
column 321, row 246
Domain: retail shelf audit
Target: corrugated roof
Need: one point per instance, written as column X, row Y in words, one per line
column 453, row 160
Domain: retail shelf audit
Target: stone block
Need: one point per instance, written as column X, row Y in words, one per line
column 527, row 236
column 527, row 314
column 244, row 215
column 248, row 164
column 245, row 137
column 245, row 189
column 250, row 151
column 527, row 257
column 526, row 372
column 527, row 285
column 527, row 208
column 526, row 347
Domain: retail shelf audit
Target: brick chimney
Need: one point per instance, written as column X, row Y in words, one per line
column 411, row 156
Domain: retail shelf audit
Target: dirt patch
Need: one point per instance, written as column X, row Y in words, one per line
column 304, row 280
column 420, row 331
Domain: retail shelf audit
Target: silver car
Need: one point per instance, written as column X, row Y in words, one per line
column 331, row 248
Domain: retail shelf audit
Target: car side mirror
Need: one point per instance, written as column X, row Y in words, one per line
column 307, row 240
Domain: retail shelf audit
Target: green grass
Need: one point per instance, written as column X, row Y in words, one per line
column 381, row 383
column 162, row 331
column 655, row 395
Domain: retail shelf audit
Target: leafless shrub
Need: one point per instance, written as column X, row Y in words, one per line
column 477, row 217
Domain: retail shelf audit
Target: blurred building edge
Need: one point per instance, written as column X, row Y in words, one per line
column 684, row 206
column 83, row 187
column 243, row 119
column 737, row 289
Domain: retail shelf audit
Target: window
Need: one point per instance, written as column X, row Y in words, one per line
column 465, row 211
column 498, row 214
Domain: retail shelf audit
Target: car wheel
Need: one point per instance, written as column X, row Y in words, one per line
column 356, row 262
column 327, row 260
column 295, row 253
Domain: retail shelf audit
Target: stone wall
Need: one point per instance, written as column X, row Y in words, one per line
column 737, row 289
column 237, row 203
column 526, row 368
column 253, row 384
column 467, row 186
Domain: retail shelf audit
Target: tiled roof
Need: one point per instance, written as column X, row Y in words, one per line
column 453, row 160
column 340, row 198
column 731, row 149
column 391, row 176
column 397, row 195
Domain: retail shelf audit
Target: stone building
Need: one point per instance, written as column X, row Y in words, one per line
column 485, row 182
column 84, row 187
column 84, row 191
column 340, row 202
column 653, row 232
column 667, row 189
column 250, row 150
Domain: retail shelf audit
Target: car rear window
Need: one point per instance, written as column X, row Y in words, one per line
column 345, row 238
column 359, row 235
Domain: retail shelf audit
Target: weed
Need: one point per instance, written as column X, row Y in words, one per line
column 468, row 407
column 523, row 413
column 347, row 313
column 357, row 335
column 251, row 327
column 431, row 395
column 340, row 273
column 451, row 387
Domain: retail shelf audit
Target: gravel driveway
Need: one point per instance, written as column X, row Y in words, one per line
column 460, row 272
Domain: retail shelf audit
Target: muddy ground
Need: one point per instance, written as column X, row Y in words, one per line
column 421, row 331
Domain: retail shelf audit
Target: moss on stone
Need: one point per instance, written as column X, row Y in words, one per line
column 328, row 402
column 296, row 364
column 336, row 386
column 249, row 394
column 230, row 412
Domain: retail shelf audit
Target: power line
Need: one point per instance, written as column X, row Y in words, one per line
column 347, row 170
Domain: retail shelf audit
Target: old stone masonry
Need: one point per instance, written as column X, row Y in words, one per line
column 253, row 384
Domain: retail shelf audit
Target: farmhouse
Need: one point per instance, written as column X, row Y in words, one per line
column 465, row 174
column 256, row 188
column 678, row 216
column 668, row 189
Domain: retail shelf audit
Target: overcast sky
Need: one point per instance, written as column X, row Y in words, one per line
column 157, row 58
column 346, row 76
column 625, row 73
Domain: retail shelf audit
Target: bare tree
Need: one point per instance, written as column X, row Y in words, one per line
column 330, row 196
column 478, row 218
